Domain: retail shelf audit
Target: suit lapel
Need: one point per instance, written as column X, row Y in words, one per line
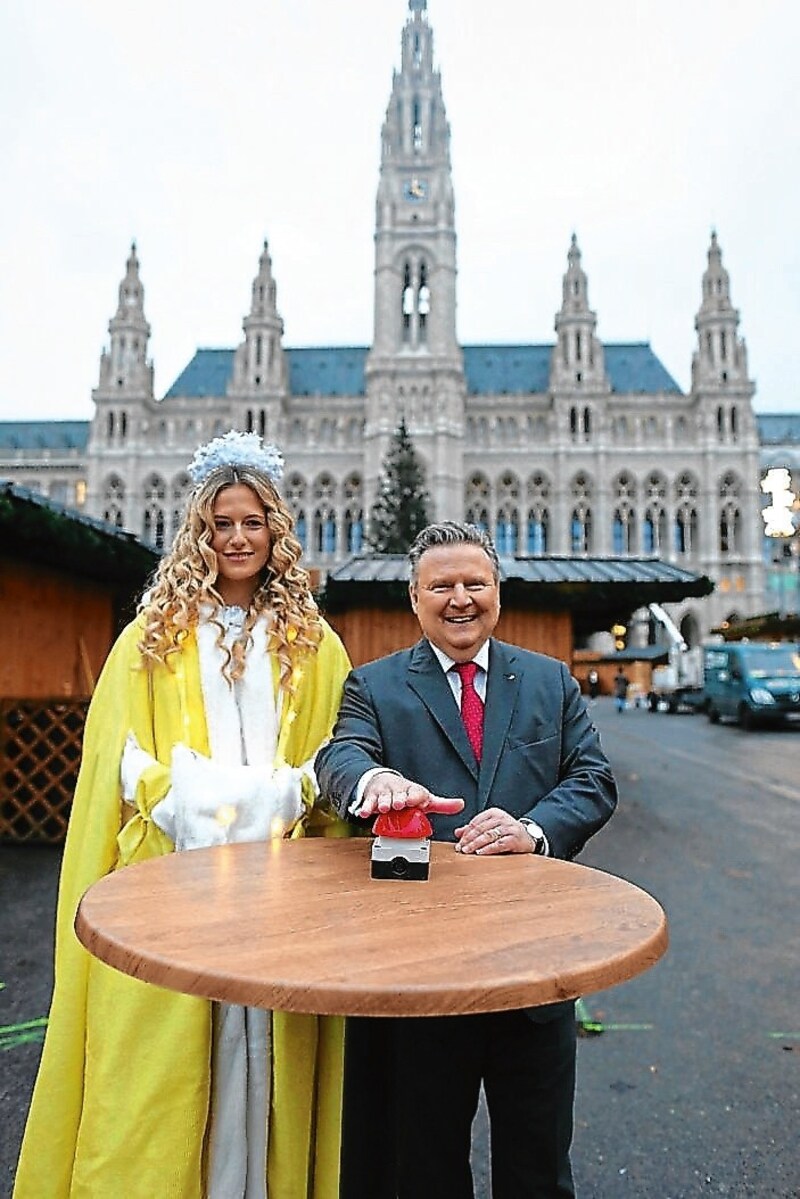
column 427, row 679
column 501, row 700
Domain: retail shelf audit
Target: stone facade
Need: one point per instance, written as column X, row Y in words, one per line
column 573, row 448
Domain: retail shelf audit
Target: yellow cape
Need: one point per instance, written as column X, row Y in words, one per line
column 121, row 1099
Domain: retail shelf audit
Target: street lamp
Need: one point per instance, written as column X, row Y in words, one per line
column 779, row 522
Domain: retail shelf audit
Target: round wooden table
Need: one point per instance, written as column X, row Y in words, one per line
column 300, row 926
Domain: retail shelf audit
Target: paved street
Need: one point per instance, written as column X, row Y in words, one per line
column 693, row 1085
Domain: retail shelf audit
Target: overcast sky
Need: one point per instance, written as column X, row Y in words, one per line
column 199, row 129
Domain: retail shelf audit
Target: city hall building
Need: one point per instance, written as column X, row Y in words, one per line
column 573, row 447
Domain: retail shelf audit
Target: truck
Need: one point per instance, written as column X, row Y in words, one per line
column 680, row 682
column 753, row 682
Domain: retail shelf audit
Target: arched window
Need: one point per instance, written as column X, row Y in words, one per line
column 538, row 530
column 478, row 501
column 423, row 300
column 181, row 486
column 654, row 525
column 623, row 529
column 507, row 519
column 324, row 520
column 114, row 501
column 730, row 516
column 581, row 518
column 296, row 494
column 538, row 520
column 416, row 124
column 154, row 523
column 686, row 522
column 354, row 514
column 407, row 303
column 690, row 629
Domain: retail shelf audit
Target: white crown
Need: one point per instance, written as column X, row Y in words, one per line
column 236, row 449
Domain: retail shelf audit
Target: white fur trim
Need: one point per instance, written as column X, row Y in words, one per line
column 257, row 728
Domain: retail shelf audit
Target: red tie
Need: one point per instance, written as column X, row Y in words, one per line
column 471, row 706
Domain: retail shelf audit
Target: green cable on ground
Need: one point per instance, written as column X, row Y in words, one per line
column 586, row 1026
column 39, row 1022
column 35, row 1036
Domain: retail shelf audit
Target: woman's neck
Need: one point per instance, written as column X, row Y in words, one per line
column 235, row 594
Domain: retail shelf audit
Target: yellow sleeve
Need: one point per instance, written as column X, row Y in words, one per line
column 308, row 722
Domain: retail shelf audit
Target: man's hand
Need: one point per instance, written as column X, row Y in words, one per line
column 493, row 831
column 387, row 791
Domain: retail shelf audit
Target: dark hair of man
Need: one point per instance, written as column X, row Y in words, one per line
column 452, row 532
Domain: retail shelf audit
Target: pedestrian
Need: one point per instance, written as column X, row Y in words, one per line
column 202, row 729
column 461, row 714
column 621, row 686
column 594, row 684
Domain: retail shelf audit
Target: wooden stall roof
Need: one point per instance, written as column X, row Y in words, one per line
column 598, row 591
column 36, row 529
column 768, row 626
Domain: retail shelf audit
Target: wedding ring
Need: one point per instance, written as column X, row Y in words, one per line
column 497, row 833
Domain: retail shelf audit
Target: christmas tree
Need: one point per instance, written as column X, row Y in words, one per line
column 401, row 509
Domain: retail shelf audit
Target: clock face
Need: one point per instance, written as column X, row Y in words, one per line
column 415, row 189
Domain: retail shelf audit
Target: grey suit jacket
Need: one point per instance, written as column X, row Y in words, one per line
column 541, row 753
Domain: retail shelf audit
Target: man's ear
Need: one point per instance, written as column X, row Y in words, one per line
column 412, row 595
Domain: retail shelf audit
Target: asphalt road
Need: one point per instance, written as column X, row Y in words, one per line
column 690, row 1085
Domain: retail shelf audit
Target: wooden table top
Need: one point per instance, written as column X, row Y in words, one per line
column 300, row 926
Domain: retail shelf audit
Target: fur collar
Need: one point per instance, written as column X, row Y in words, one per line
column 242, row 719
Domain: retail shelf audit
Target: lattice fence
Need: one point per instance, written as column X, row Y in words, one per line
column 40, row 749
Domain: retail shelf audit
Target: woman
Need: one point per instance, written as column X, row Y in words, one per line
column 202, row 729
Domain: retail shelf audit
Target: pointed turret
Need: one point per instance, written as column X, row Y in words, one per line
column 259, row 381
column 259, row 360
column 123, row 403
column 124, row 369
column 721, row 356
column 577, row 361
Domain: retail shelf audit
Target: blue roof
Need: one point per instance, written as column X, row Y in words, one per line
column 522, row 369
column 327, row 371
column 634, row 367
column 778, row 428
column 206, row 375
column 44, row 434
column 500, row 369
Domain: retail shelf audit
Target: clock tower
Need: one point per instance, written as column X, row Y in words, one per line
column 415, row 368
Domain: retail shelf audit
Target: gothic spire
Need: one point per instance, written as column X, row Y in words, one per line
column 578, row 354
column 124, row 366
column 721, row 355
column 259, row 365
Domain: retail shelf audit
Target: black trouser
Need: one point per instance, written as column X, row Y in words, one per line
column 411, row 1092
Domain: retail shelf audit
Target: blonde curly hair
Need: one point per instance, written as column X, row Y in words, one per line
column 185, row 581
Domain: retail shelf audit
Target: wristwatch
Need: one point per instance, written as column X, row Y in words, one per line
column 535, row 833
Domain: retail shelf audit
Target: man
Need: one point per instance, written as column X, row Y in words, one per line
column 621, row 686
column 514, row 752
